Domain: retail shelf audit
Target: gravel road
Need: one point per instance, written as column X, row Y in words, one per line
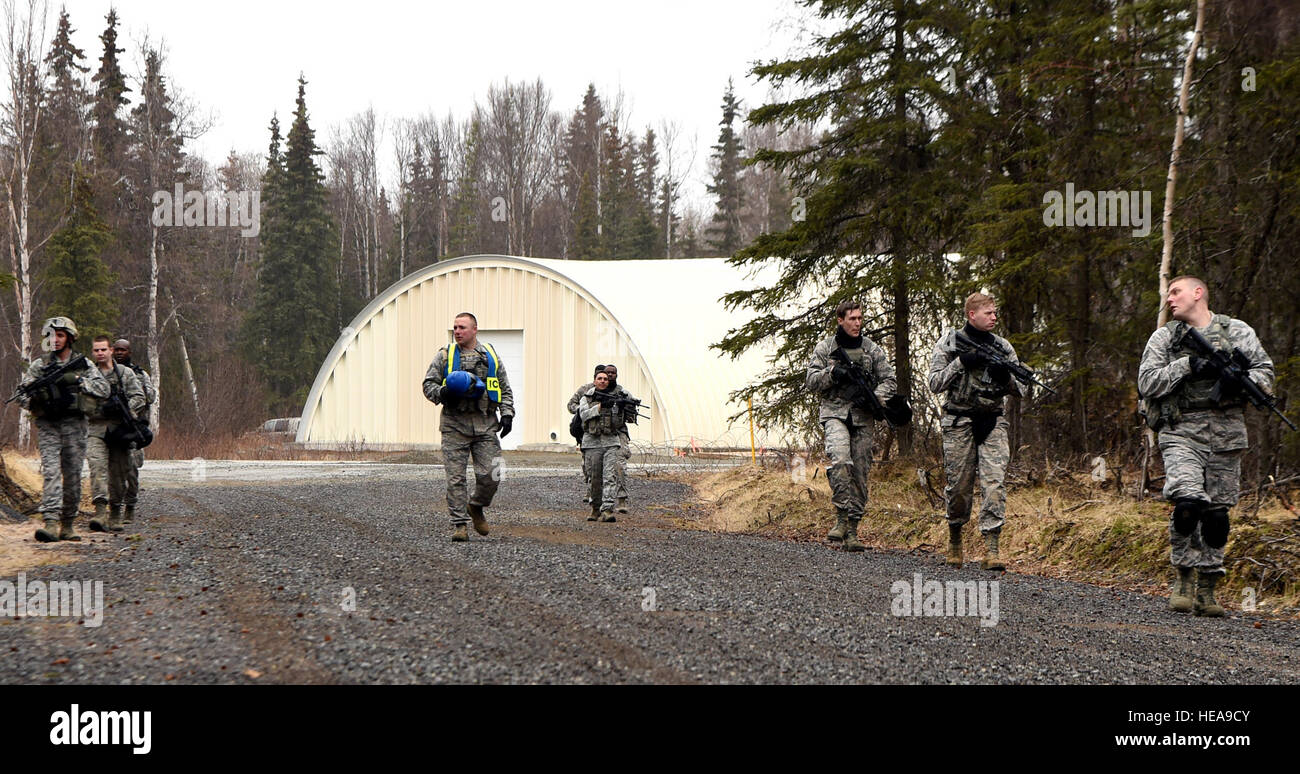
column 350, row 578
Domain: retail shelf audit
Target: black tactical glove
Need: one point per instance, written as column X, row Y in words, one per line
column 1000, row 373
column 69, row 377
column 507, row 422
column 1201, row 366
column 972, row 360
column 841, row 374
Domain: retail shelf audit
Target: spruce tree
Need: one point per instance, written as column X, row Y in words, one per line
column 723, row 234
column 881, row 205
column 77, row 281
column 295, row 317
column 110, row 98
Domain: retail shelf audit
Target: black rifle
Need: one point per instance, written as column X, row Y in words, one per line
column 997, row 357
column 48, row 379
column 129, row 430
column 1234, row 369
column 863, row 395
column 621, row 403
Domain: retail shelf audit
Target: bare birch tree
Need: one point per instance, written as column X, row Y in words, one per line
column 26, row 70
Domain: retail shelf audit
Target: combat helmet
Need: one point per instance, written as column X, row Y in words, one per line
column 53, row 324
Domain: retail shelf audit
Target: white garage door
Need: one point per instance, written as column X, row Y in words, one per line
column 509, row 346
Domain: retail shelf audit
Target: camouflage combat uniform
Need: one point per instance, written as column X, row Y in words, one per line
column 1201, row 441
column 111, row 466
column 61, row 434
column 603, row 432
column 973, row 397
column 137, row 455
column 627, row 441
column 469, row 428
column 848, row 428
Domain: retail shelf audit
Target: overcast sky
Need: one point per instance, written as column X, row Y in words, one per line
column 239, row 60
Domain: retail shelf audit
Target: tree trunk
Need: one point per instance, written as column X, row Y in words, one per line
column 154, row 339
column 185, row 361
column 1167, row 222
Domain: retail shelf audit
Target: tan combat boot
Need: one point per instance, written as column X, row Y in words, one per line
column 851, row 542
column 99, row 523
column 50, row 532
column 841, row 527
column 954, row 557
column 991, row 559
column 130, row 514
column 114, row 518
column 1205, row 602
column 607, row 516
column 68, row 530
column 622, row 505
column 1180, row 593
column 460, row 534
column 595, row 512
column 480, row 521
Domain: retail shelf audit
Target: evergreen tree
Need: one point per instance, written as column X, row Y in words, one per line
column 582, row 177
column 466, row 230
column 294, row 320
column 110, row 98
column 723, row 235
column 881, row 205
column 77, row 281
column 64, row 126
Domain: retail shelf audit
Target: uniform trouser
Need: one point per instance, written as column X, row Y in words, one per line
column 849, row 449
column 63, row 447
column 457, row 449
column 625, row 454
column 109, row 469
column 133, row 478
column 963, row 461
column 1194, row 472
column 604, row 465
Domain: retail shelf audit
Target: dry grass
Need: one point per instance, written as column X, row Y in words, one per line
column 1064, row 528
column 249, row 446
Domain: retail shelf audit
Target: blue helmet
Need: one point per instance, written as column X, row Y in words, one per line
column 463, row 384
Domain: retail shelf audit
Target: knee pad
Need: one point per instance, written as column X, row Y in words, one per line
column 1214, row 526
column 1187, row 513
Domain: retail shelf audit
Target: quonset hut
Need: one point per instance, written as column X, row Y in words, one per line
column 550, row 321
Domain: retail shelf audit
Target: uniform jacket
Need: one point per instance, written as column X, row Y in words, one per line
column 90, row 382
column 835, row 403
column 970, row 390
column 120, row 379
column 1164, row 370
column 603, row 426
column 472, row 416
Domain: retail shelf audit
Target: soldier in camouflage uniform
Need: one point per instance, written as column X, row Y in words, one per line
column 61, row 427
column 974, row 428
column 122, row 354
column 1201, row 439
column 603, row 423
column 573, row 409
column 469, row 381
column 110, row 463
column 625, row 436
column 848, row 427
